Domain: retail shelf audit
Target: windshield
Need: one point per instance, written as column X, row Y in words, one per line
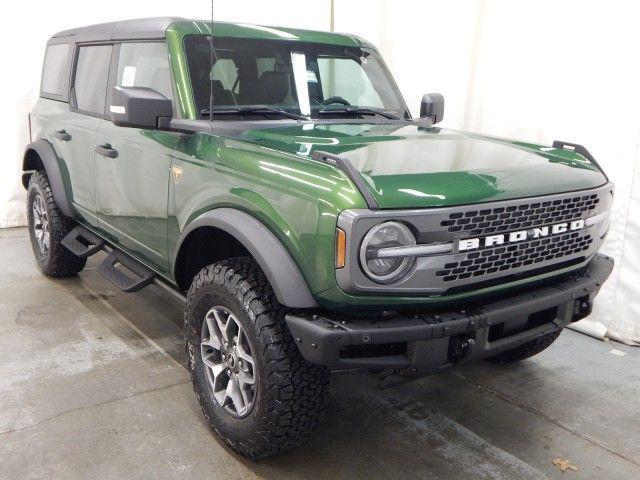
column 284, row 79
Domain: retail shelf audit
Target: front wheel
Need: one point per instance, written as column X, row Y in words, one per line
column 258, row 393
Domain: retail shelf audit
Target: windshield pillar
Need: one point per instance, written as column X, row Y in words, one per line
column 299, row 64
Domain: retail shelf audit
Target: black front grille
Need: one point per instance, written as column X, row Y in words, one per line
column 502, row 258
column 516, row 217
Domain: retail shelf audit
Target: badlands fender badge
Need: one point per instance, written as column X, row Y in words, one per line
column 519, row 236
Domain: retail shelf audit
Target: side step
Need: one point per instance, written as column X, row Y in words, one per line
column 125, row 272
column 123, row 280
column 82, row 243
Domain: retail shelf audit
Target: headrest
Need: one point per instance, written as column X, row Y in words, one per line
column 274, row 87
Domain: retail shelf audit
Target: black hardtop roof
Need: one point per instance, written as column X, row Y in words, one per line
column 156, row 29
column 135, row 29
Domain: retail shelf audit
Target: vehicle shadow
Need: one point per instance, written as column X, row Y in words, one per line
column 418, row 430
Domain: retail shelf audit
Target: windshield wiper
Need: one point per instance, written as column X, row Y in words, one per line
column 359, row 111
column 250, row 110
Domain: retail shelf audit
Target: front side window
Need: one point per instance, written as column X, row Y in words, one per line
column 55, row 73
column 145, row 65
column 90, row 81
column 313, row 80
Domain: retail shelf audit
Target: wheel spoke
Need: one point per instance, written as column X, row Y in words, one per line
column 213, row 340
column 36, row 206
column 245, row 395
column 215, row 366
column 45, row 240
column 222, row 325
column 37, row 221
column 231, row 327
column 242, row 349
column 40, row 207
column 220, row 395
column 246, row 378
column 233, row 392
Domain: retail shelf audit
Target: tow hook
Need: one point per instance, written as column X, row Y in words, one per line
column 460, row 348
column 582, row 308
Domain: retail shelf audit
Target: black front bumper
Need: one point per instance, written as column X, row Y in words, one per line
column 421, row 344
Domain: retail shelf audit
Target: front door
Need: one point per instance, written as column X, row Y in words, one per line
column 132, row 166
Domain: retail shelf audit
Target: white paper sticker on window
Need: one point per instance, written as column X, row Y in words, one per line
column 129, row 76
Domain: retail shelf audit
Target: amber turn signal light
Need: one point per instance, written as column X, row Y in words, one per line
column 341, row 248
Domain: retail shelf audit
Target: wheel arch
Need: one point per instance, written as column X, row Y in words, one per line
column 238, row 231
column 40, row 155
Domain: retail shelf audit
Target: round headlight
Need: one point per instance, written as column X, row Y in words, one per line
column 385, row 235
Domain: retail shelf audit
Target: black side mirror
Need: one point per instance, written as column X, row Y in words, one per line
column 432, row 107
column 140, row 107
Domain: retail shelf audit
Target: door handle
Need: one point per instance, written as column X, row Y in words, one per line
column 62, row 135
column 107, row 151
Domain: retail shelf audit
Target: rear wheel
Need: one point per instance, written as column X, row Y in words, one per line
column 256, row 390
column 47, row 227
column 526, row 350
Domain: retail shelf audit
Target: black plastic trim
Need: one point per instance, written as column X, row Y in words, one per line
column 51, row 164
column 283, row 274
column 352, row 173
column 82, row 242
column 134, row 29
column 582, row 150
column 126, row 283
column 322, row 338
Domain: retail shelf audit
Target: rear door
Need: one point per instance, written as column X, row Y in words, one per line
column 131, row 188
column 87, row 109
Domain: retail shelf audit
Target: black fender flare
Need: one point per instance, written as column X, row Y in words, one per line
column 282, row 272
column 51, row 164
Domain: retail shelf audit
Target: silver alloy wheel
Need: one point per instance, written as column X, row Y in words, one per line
column 40, row 223
column 228, row 361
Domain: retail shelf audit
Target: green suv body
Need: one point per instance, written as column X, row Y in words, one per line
column 278, row 177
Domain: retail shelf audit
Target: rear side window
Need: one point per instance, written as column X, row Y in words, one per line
column 90, row 81
column 55, row 73
column 145, row 65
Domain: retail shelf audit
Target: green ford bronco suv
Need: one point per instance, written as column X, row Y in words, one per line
column 277, row 178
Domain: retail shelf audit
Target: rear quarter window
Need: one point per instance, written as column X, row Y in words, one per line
column 55, row 72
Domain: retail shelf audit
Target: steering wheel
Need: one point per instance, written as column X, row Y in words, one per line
column 339, row 100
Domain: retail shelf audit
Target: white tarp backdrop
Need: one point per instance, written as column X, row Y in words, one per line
column 533, row 70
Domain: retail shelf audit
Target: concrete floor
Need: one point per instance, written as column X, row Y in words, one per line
column 92, row 386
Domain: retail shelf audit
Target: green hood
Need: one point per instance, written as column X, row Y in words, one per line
column 407, row 166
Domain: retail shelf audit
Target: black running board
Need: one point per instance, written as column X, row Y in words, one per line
column 82, row 243
column 113, row 269
column 127, row 274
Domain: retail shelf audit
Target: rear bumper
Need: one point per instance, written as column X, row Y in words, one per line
column 420, row 344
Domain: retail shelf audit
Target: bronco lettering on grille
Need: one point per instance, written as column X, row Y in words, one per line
column 519, row 236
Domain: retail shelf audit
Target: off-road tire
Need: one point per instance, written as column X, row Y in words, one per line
column 526, row 350
column 290, row 395
column 56, row 261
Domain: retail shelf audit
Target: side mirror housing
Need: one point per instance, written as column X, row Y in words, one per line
column 140, row 107
column 432, row 106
